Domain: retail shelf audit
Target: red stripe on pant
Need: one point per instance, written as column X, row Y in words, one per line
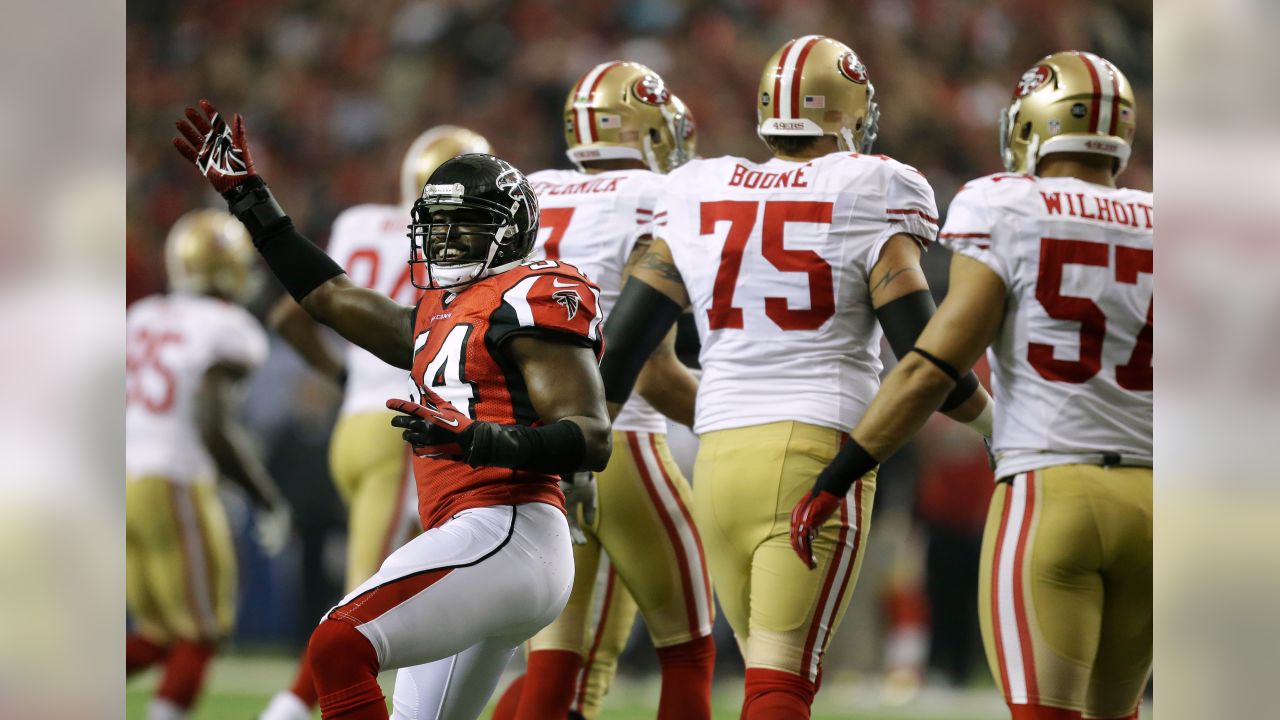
column 995, row 589
column 206, row 626
column 606, row 605
column 811, row 643
column 688, row 521
column 1019, row 597
column 686, row 580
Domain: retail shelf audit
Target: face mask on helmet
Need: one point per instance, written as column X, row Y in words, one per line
column 476, row 218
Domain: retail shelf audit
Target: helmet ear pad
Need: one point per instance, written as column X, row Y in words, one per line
column 474, row 187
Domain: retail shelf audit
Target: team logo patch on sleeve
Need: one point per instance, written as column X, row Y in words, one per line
column 570, row 300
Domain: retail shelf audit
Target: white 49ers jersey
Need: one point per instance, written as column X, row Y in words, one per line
column 593, row 221
column 1071, row 368
column 171, row 341
column 371, row 244
column 776, row 258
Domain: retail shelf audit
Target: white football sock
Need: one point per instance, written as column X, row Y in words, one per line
column 286, row 706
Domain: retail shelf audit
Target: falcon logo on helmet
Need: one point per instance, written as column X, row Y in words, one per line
column 569, row 300
column 1032, row 80
column 651, row 90
column 852, row 68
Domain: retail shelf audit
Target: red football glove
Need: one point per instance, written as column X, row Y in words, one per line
column 434, row 429
column 219, row 152
column 807, row 519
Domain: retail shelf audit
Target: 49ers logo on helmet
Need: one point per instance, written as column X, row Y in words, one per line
column 1031, row 80
column 651, row 90
column 852, row 68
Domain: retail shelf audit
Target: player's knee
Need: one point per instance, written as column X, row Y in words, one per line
column 339, row 652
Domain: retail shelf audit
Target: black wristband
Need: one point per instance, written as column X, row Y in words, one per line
column 963, row 390
column 255, row 207
column 851, row 463
column 947, row 368
column 296, row 261
column 556, row 449
column 904, row 318
column 636, row 325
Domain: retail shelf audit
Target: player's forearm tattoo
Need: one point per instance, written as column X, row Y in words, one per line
column 666, row 270
column 890, row 275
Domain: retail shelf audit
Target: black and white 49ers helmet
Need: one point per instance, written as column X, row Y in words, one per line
column 815, row 86
column 476, row 217
column 1068, row 102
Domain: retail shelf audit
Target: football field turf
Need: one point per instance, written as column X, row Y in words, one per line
column 240, row 686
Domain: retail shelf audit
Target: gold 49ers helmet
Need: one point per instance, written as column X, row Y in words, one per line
column 429, row 150
column 1068, row 102
column 815, row 86
column 623, row 110
column 209, row 252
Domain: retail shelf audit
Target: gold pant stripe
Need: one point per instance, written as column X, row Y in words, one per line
column 695, row 580
column 841, row 567
column 198, row 568
column 1009, row 608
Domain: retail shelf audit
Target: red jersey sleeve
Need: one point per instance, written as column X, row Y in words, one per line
column 561, row 305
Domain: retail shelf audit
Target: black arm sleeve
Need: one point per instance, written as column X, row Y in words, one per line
column 557, row 449
column 300, row 266
column 903, row 320
column 851, row 463
column 639, row 321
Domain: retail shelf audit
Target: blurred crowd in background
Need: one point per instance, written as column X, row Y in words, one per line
column 333, row 92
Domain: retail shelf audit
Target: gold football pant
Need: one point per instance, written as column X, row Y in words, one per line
column 746, row 481
column 371, row 467
column 180, row 570
column 644, row 524
column 1064, row 594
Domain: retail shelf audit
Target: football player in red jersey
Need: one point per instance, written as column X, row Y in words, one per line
column 505, row 397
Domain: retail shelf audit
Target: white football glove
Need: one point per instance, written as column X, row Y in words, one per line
column 273, row 528
column 580, row 493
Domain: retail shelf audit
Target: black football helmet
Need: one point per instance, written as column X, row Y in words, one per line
column 476, row 217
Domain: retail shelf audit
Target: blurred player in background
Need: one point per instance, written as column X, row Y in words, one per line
column 187, row 353
column 788, row 265
column 506, row 399
column 624, row 130
column 1053, row 270
column 370, row 462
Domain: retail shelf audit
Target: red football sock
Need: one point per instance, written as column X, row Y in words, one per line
column 1042, row 712
column 776, row 695
column 345, row 668
column 686, row 679
column 506, row 707
column 548, row 685
column 141, row 653
column 304, row 686
column 184, row 672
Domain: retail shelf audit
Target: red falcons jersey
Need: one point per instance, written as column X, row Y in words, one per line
column 459, row 351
